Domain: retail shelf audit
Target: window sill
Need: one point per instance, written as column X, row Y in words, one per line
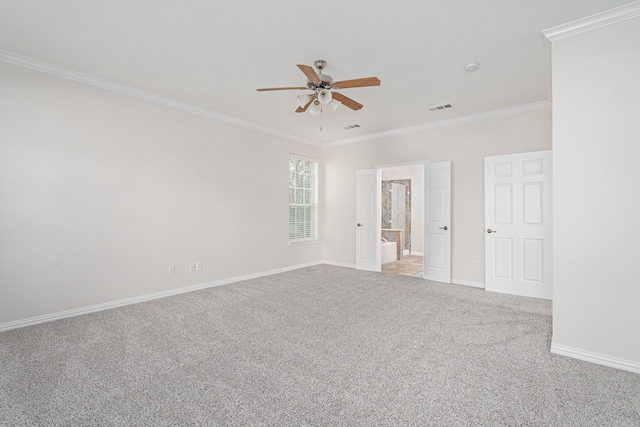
column 303, row 242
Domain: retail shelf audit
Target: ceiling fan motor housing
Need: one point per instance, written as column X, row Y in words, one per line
column 326, row 82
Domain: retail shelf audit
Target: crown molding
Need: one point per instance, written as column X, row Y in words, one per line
column 631, row 10
column 443, row 123
column 44, row 67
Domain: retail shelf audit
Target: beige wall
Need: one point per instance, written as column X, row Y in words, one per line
column 100, row 193
column 596, row 111
column 465, row 145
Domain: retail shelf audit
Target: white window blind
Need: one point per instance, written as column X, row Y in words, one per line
column 303, row 206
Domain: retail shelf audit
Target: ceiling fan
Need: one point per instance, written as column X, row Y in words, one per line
column 323, row 88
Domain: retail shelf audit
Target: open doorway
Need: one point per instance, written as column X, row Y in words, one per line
column 436, row 214
column 402, row 220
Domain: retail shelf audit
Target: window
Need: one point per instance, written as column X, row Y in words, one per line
column 303, row 205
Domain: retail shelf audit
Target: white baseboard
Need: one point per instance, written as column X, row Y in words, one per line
column 467, row 283
column 417, row 253
column 339, row 264
column 600, row 359
column 128, row 301
column 453, row 281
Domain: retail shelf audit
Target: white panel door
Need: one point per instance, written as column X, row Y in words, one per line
column 368, row 208
column 518, row 224
column 437, row 245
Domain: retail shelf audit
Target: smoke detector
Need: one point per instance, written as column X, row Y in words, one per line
column 471, row 66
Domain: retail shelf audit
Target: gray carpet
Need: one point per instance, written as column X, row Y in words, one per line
column 320, row 346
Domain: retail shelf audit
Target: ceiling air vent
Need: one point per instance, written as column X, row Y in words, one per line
column 351, row 126
column 440, row 107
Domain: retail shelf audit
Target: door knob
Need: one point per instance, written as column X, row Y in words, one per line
column 359, row 225
column 491, row 231
column 445, row 228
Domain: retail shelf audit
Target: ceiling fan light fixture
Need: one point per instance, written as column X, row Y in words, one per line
column 303, row 100
column 324, row 96
column 321, row 86
column 315, row 108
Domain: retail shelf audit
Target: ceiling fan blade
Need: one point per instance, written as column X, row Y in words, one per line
column 264, row 89
column 365, row 81
column 346, row 101
column 309, row 72
column 303, row 109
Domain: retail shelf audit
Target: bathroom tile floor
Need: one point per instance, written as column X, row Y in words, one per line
column 409, row 265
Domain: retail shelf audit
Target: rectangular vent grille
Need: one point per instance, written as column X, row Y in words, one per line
column 440, row 107
column 351, row 126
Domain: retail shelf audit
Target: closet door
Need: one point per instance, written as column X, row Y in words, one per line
column 518, row 224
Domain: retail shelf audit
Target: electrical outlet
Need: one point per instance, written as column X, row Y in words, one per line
column 198, row 265
column 477, row 264
column 172, row 269
column 192, row 266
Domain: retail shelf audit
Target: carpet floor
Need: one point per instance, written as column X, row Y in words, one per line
column 319, row 346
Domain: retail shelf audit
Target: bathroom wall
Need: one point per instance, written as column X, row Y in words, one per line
column 414, row 173
column 396, row 207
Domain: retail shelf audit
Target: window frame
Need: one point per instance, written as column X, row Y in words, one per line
column 310, row 232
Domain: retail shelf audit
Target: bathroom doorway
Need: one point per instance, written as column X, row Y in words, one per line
column 430, row 218
column 402, row 220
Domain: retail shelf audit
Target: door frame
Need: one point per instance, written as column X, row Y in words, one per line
column 424, row 164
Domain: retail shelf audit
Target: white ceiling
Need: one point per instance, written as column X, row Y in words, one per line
column 214, row 54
